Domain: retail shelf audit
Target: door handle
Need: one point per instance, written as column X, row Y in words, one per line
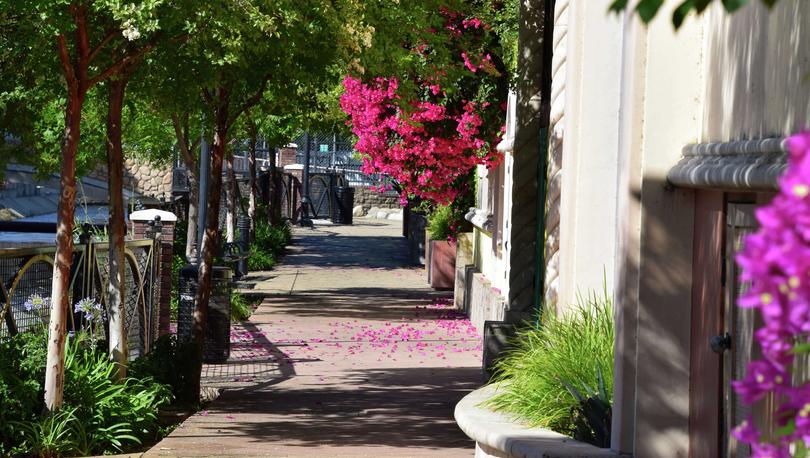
column 719, row 344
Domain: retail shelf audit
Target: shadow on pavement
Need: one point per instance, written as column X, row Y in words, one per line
column 400, row 407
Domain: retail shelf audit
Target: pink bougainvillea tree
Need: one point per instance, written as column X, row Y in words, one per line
column 428, row 127
column 776, row 260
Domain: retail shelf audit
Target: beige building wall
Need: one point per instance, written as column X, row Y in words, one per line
column 765, row 62
column 589, row 161
column 660, row 111
column 719, row 78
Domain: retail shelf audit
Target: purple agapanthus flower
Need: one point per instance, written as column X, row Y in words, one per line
column 92, row 310
column 35, row 302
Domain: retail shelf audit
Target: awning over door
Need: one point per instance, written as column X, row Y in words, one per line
column 750, row 165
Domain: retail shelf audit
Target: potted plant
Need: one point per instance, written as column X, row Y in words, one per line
column 440, row 257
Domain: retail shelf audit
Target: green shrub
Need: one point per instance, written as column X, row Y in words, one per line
column 171, row 362
column 268, row 244
column 558, row 369
column 99, row 414
column 440, row 223
column 50, row 435
column 22, row 371
column 260, row 259
column 271, row 238
column 241, row 308
column 113, row 413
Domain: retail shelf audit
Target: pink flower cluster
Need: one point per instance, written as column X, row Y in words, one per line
column 426, row 147
column 431, row 133
column 776, row 260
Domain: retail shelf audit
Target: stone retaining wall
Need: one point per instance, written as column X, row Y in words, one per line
column 141, row 177
column 368, row 198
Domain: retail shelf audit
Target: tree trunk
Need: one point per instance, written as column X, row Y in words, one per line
column 210, row 235
column 252, row 179
column 187, row 153
column 119, row 352
column 230, row 214
column 60, row 302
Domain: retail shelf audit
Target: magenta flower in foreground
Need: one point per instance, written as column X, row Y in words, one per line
column 776, row 260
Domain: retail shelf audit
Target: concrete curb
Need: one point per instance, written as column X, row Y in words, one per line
column 497, row 435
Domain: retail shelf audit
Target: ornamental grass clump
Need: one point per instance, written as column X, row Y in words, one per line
column 559, row 373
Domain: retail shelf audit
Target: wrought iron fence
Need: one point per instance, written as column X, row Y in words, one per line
column 28, row 271
column 330, row 152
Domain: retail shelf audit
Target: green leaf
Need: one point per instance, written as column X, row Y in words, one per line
column 618, row 6
column 733, row 5
column 801, row 348
column 647, row 9
column 786, row 430
column 680, row 13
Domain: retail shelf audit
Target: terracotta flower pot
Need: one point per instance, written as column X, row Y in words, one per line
column 442, row 264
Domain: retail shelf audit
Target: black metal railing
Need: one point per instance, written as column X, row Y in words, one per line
column 25, row 272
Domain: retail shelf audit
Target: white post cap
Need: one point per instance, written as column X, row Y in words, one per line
column 149, row 215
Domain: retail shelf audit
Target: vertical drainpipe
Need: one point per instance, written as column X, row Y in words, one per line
column 542, row 163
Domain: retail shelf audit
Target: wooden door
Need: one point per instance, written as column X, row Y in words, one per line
column 705, row 381
column 722, row 334
column 738, row 331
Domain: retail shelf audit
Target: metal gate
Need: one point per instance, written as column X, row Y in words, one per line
column 331, row 152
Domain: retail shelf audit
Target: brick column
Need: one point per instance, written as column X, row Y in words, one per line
column 286, row 156
column 140, row 221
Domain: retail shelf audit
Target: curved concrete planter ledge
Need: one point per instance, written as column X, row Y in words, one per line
column 497, row 435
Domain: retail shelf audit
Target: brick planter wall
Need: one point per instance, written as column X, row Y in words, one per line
column 442, row 264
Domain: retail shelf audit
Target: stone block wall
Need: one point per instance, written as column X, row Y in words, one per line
column 464, row 260
column 484, row 302
column 368, row 198
column 141, row 177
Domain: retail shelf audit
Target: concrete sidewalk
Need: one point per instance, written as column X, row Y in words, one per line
column 350, row 354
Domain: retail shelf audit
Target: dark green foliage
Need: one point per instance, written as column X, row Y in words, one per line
column 268, row 244
column 98, row 416
column 170, row 362
column 647, row 9
column 592, row 416
column 22, row 370
column 241, row 307
column 178, row 262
